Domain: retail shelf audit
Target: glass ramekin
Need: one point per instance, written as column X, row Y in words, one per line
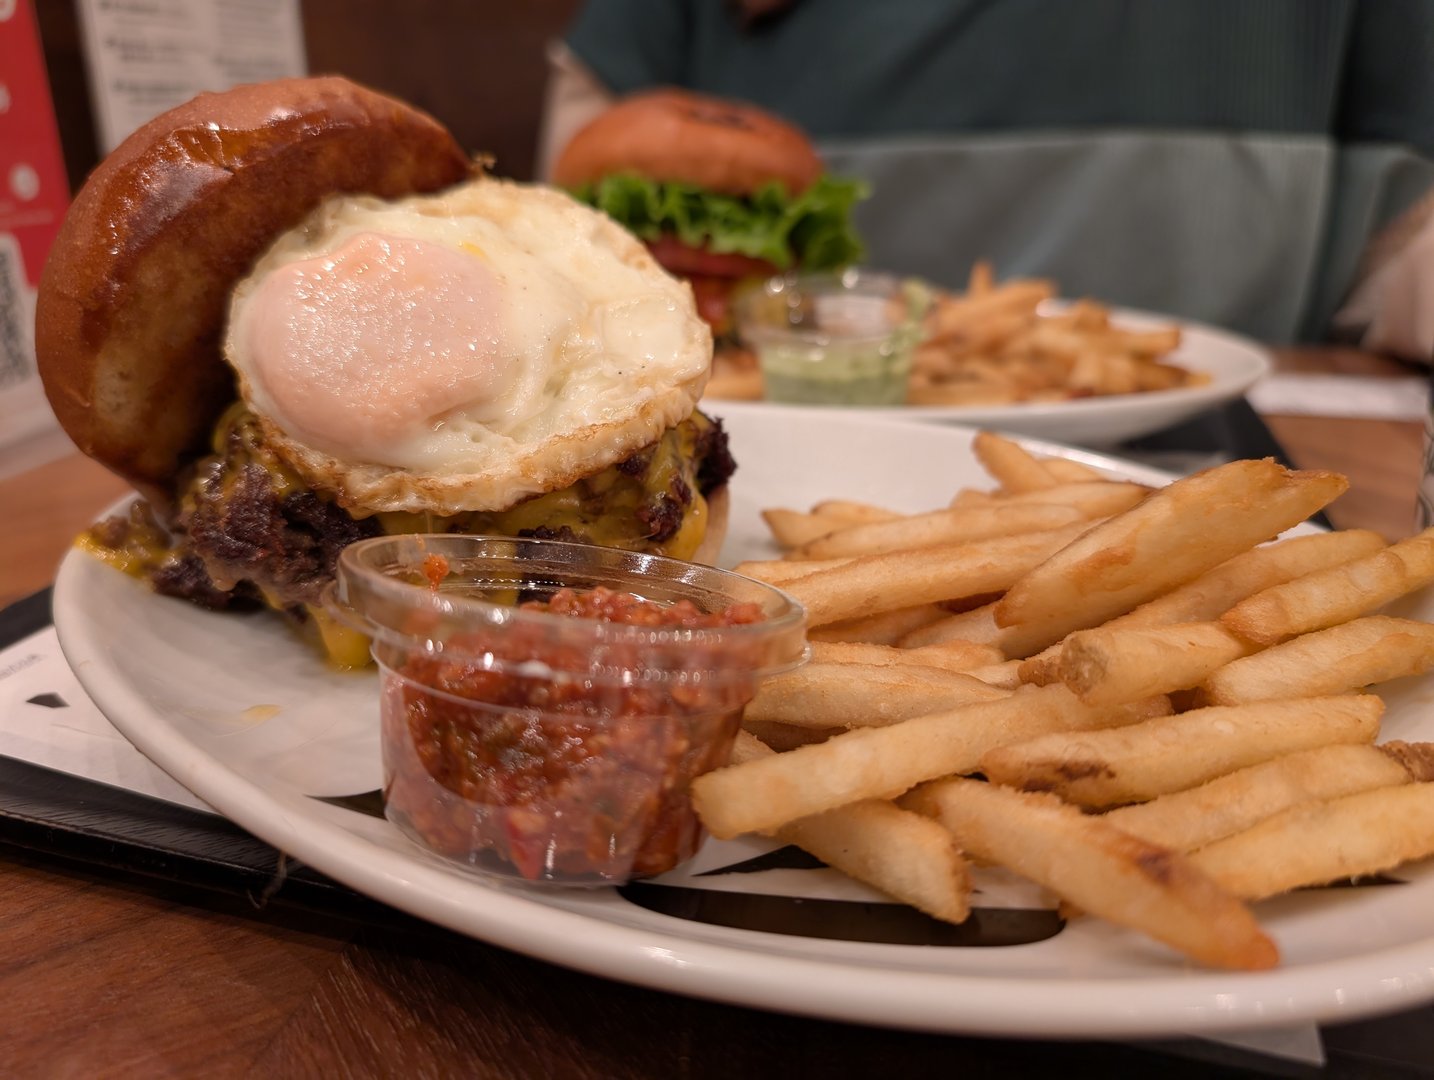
column 547, row 747
column 842, row 338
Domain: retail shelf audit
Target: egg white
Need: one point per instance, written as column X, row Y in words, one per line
column 605, row 352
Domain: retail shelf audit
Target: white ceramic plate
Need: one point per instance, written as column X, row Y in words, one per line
column 1233, row 363
column 235, row 711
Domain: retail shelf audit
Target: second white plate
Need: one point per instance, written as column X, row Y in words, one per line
column 1233, row 363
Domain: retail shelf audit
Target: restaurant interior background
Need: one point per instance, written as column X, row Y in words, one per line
column 480, row 67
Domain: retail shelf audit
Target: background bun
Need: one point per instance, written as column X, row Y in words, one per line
column 133, row 299
column 728, row 147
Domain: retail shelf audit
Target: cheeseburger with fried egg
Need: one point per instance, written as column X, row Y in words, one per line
column 295, row 315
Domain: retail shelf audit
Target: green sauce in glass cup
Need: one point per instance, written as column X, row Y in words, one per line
column 834, row 339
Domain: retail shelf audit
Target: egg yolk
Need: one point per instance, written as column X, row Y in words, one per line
column 357, row 349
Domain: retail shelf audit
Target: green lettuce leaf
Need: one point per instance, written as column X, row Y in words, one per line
column 812, row 230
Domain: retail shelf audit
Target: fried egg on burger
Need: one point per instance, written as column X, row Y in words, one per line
column 293, row 315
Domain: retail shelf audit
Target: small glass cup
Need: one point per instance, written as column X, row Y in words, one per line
column 833, row 339
column 547, row 747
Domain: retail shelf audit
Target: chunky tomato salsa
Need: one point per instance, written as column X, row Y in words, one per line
column 560, row 757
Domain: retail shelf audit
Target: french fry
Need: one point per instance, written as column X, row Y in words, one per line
column 1044, row 667
column 1111, row 664
column 962, row 393
column 882, row 762
column 1004, row 676
column 1336, row 594
column 938, row 527
column 887, row 628
column 1347, row 657
column 1316, row 843
column 876, row 583
column 779, row 571
column 1015, row 469
column 1186, row 820
column 1093, row 498
column 950, row 655
column 905, row 855
column 863, row 695
column 851, row 512
column 1122, row 879
column 1214, row 592
column 1070, row 471
column 1172, row 536
column 1208, row 596
column 1141, row 761
column 976, row 625
column 951, row 318
column 792, row 528
column 981, row 279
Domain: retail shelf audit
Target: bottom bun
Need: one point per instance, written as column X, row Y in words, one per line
column 719, row 505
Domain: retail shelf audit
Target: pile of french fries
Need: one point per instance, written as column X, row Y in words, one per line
column 1137, row 699
column 991, row 346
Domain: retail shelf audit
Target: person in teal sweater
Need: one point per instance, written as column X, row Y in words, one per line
column 1263, row 165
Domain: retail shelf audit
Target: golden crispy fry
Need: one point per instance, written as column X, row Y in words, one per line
column 982, row 278
column 792, row 528
column 1093, row 498
column 882, row 762
column 1186, row 820
column 976, row 624
column 1070, row 471
column 966, row 392
column 1111, row 664
column 1315, row 843
column 1044, row 667
column 950, row 655
column 875, row 583
column 994, row 346
column 938, row 527
column 1342, row 658
column 954, row 316
column 887, row 628
column 1336, row 594
column 1172, row 753
column 780, row 571
column 1005, row 675
column 903, row 854
column 1172, row 536
column 825, row 695
column 1100, row 869
column 1214, row 592
column 851, row 512
column 1015, row 469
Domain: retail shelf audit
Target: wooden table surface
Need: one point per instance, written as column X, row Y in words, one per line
column 106, row 973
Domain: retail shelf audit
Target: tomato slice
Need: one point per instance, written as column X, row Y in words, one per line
column 680, row 258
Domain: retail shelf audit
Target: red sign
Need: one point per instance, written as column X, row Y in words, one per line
column 33, row 188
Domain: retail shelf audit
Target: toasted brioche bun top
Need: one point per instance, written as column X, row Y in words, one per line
column 132, row 301
column 676, row 136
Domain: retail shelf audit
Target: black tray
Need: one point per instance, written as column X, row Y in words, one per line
column 67, row 818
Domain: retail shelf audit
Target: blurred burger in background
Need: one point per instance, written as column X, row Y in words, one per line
column 719, row 190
